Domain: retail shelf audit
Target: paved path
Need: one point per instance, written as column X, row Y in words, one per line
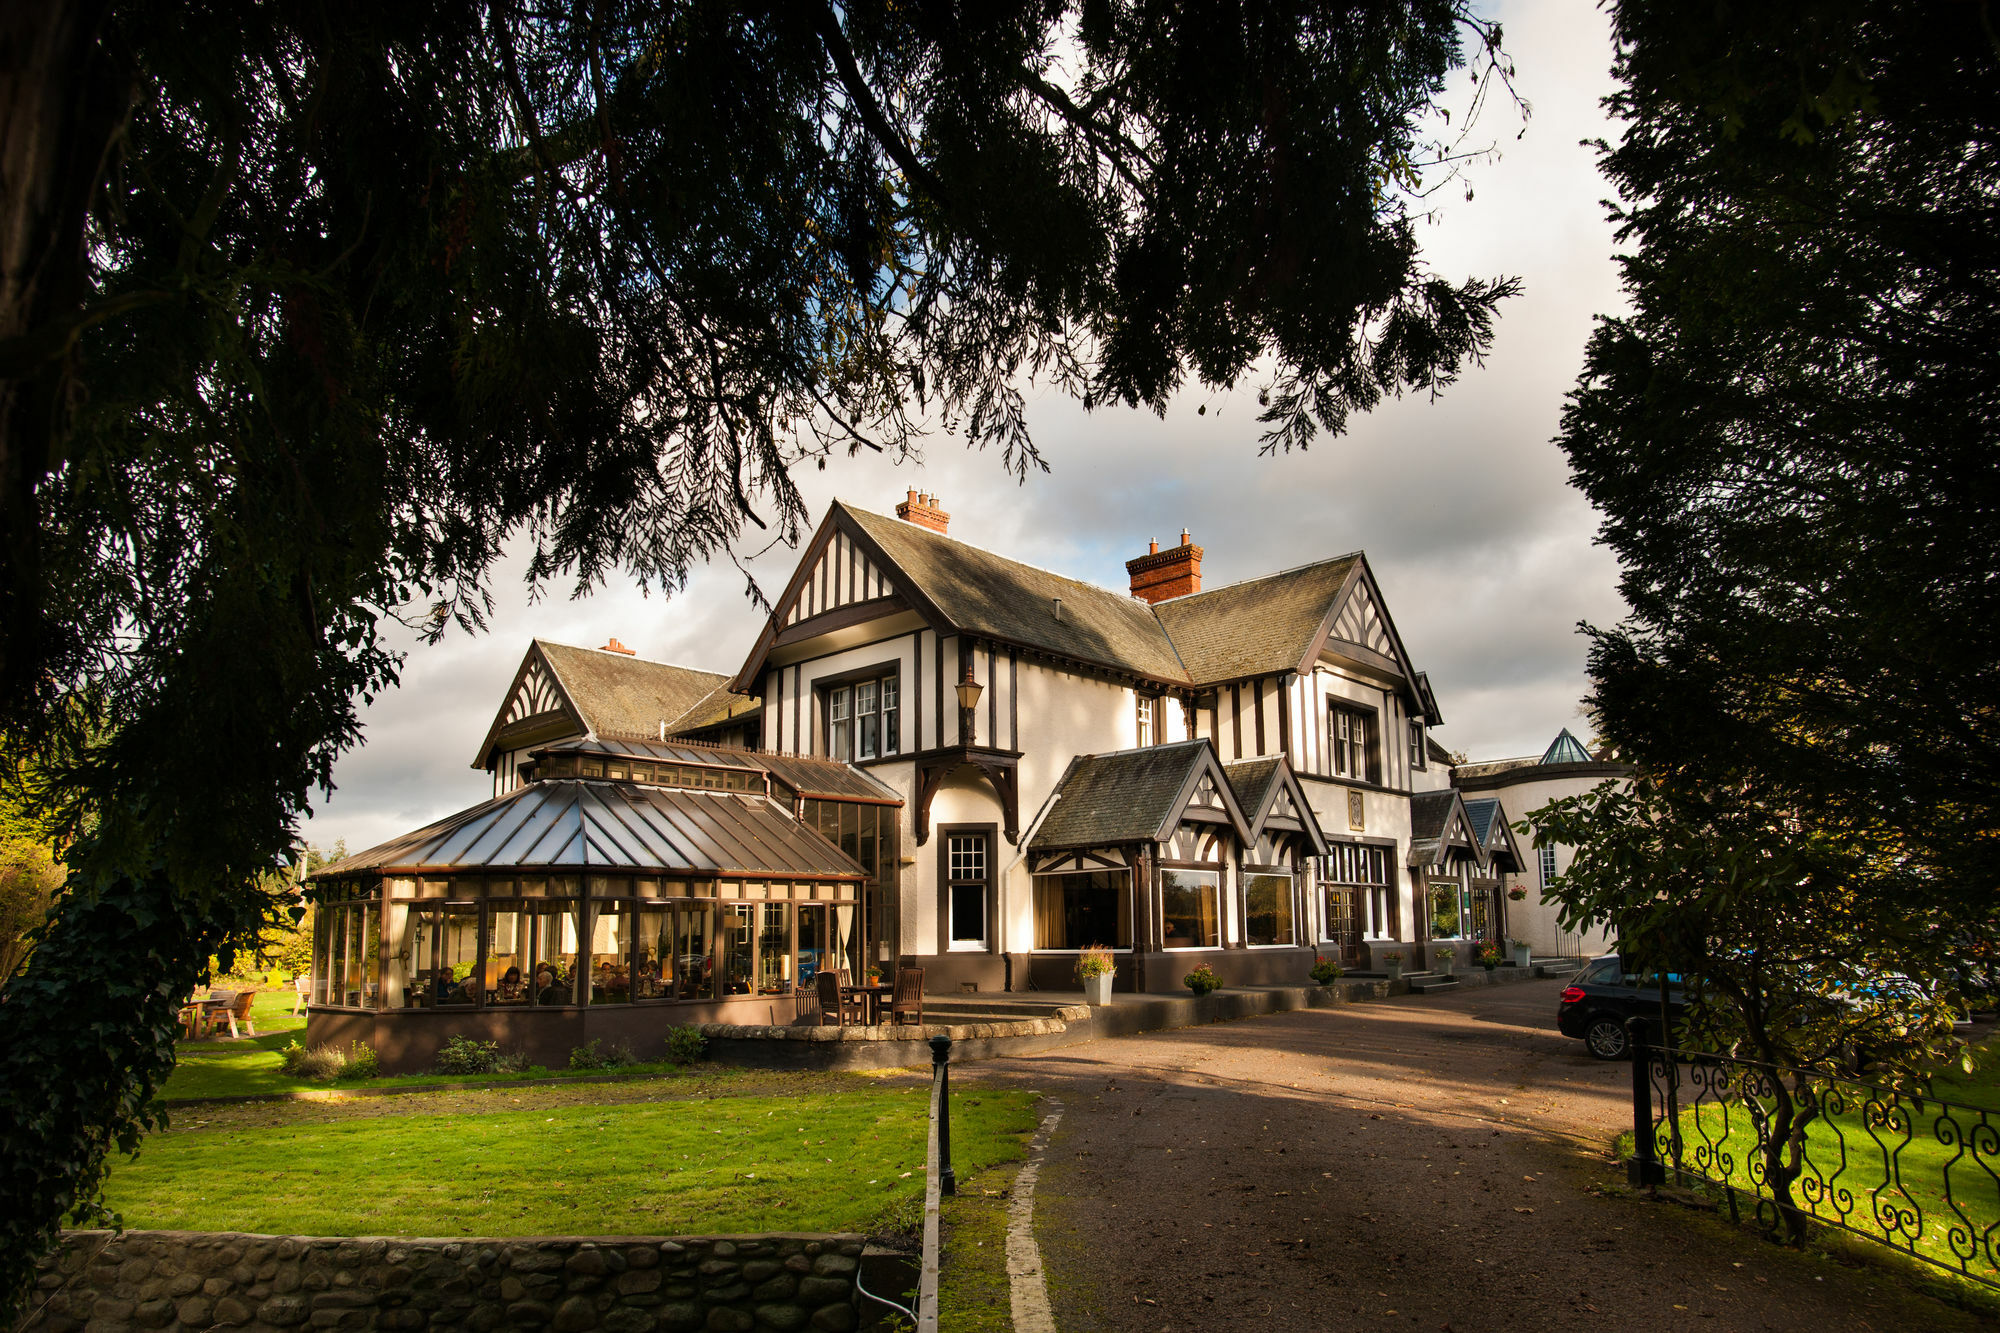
column 1419, row 1163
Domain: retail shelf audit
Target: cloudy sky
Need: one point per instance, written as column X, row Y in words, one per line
column 1484, row 552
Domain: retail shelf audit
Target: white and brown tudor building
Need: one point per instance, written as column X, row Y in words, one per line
column 998, row 766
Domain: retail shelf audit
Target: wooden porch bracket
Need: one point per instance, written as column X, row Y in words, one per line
column 1000, row 767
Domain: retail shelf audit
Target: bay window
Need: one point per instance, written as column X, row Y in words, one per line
column 1079, row 911
column 1190, row 909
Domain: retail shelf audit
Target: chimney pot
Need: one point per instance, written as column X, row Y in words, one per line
column 616, row 647
column 1153, row 546
column 921, row 509
column 1159, row 575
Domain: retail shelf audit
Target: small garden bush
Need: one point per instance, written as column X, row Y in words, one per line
column 685, row 1044
column 1202, row 980
column 324, row 1064
column 593, row 1055
column 463, row 1055
column 1325, row 971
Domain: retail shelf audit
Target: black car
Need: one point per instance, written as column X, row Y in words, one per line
column 1595, row 1006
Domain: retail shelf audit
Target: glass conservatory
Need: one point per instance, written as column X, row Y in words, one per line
column 605, row 898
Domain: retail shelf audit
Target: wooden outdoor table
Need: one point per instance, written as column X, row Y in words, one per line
column 871, row 994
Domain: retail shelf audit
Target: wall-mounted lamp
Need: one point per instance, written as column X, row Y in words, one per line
column 968, row 693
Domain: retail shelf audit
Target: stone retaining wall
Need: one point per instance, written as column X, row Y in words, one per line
column 99, row 1282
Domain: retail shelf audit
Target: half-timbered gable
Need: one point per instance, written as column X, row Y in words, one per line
column 561, row 691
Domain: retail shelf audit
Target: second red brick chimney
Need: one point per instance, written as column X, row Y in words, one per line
column 616, row 647
column 1158, row 575
column 922, row 510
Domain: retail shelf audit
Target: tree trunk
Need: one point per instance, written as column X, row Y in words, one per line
column 61, row 103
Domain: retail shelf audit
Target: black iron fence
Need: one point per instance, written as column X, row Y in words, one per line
column 1917, row 1174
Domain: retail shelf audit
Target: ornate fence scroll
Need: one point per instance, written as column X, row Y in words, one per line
column 1917, row 1174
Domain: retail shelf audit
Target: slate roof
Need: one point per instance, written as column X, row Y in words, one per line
column 1251, row 780
column 626, row 696
column 1481, row 812
column 717, row 706
column 987, row 594
column 1123, row 797
column 1257, row 627
column 585, row 824
column 1428, row 811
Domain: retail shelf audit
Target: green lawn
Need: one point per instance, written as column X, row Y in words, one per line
column 1946, row 1169
column 842, row 1156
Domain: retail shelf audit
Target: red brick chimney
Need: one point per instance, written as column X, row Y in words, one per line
column 616, row 647
column 1158, row 575
column 922, row 510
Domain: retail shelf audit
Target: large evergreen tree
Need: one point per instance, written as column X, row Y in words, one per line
column 1794, row 438
column 306, row 309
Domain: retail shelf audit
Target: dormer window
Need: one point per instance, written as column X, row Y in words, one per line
column 1417, row 743
column 863, row 719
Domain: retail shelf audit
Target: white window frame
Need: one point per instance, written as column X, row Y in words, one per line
column 1214, row 887
column 1545, row 862
column 1418, row 757
column 955, row 881
column 863, row 718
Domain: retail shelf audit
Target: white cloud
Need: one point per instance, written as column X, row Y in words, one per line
column 1483, row 550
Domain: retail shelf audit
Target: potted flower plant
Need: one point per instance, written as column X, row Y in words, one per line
column 1392, row 963
column 1325, row 971
column 1516, row 894
column 1488, row 954
column 1523, row 955
column 1094, row 968
column 1446, row 956
column 1202, row 980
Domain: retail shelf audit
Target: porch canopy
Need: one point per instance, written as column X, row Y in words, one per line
column 619, row 873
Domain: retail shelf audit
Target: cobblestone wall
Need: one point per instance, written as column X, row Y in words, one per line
column 174, row 1280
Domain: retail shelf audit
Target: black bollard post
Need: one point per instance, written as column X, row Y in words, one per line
column 1644, row 1168
column 941, row 1077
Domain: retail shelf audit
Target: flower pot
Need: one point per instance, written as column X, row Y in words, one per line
column 1523, row 955
column 1394, row 971
column 1097, row 989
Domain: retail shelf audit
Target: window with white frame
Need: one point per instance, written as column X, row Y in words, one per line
column 1547, row 857
column 863, row 719
column 1190, row 909
column 1417, row 755
column 1351, row 742
column 1267, row 909
column 966, row 882
column 1449, row 909
column 1149, row 719
column 1358, row 899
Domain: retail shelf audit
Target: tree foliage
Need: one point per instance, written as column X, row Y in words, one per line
column 1792, row 440
column 309, row 308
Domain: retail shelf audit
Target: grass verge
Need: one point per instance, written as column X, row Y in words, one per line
column 974, row 1295
column 847, row 1159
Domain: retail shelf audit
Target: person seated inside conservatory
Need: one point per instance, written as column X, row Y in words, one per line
column 511, row 990
column 608, row 984
column 548, row 985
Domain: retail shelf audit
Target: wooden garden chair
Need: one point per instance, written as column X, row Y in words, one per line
column 238, row 1013
column 301, row 994
column 837, row 1000
column 909, row 997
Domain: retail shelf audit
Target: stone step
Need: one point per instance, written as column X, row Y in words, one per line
column 1424, row 984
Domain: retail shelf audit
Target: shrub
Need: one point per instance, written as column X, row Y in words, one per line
column 1325, row 971
column 1202, row 980
column 362, row 1062
column 592, row 1055
column 321, row 1064
column 463, row 1055
column 1096, row 961
column 1488, row 954
column 1446, row 957
column 685, row 1044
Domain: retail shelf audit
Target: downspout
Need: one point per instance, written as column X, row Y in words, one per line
column 1005, row 875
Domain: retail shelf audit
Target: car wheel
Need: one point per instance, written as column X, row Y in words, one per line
column 1605, row 1038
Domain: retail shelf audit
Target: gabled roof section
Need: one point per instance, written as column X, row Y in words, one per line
column 1270, row 794
column 578, row 824
column 1359, row 627
column 596, row 693
column 806, row 775
column 981, row 593
column 718, row 706
column 1565, row 749
column 1440, row 825
column 1259, row 627
column 1133, row 796
column 1489, row 826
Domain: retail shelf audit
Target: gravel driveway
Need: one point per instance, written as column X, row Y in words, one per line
column 1434, row 1163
